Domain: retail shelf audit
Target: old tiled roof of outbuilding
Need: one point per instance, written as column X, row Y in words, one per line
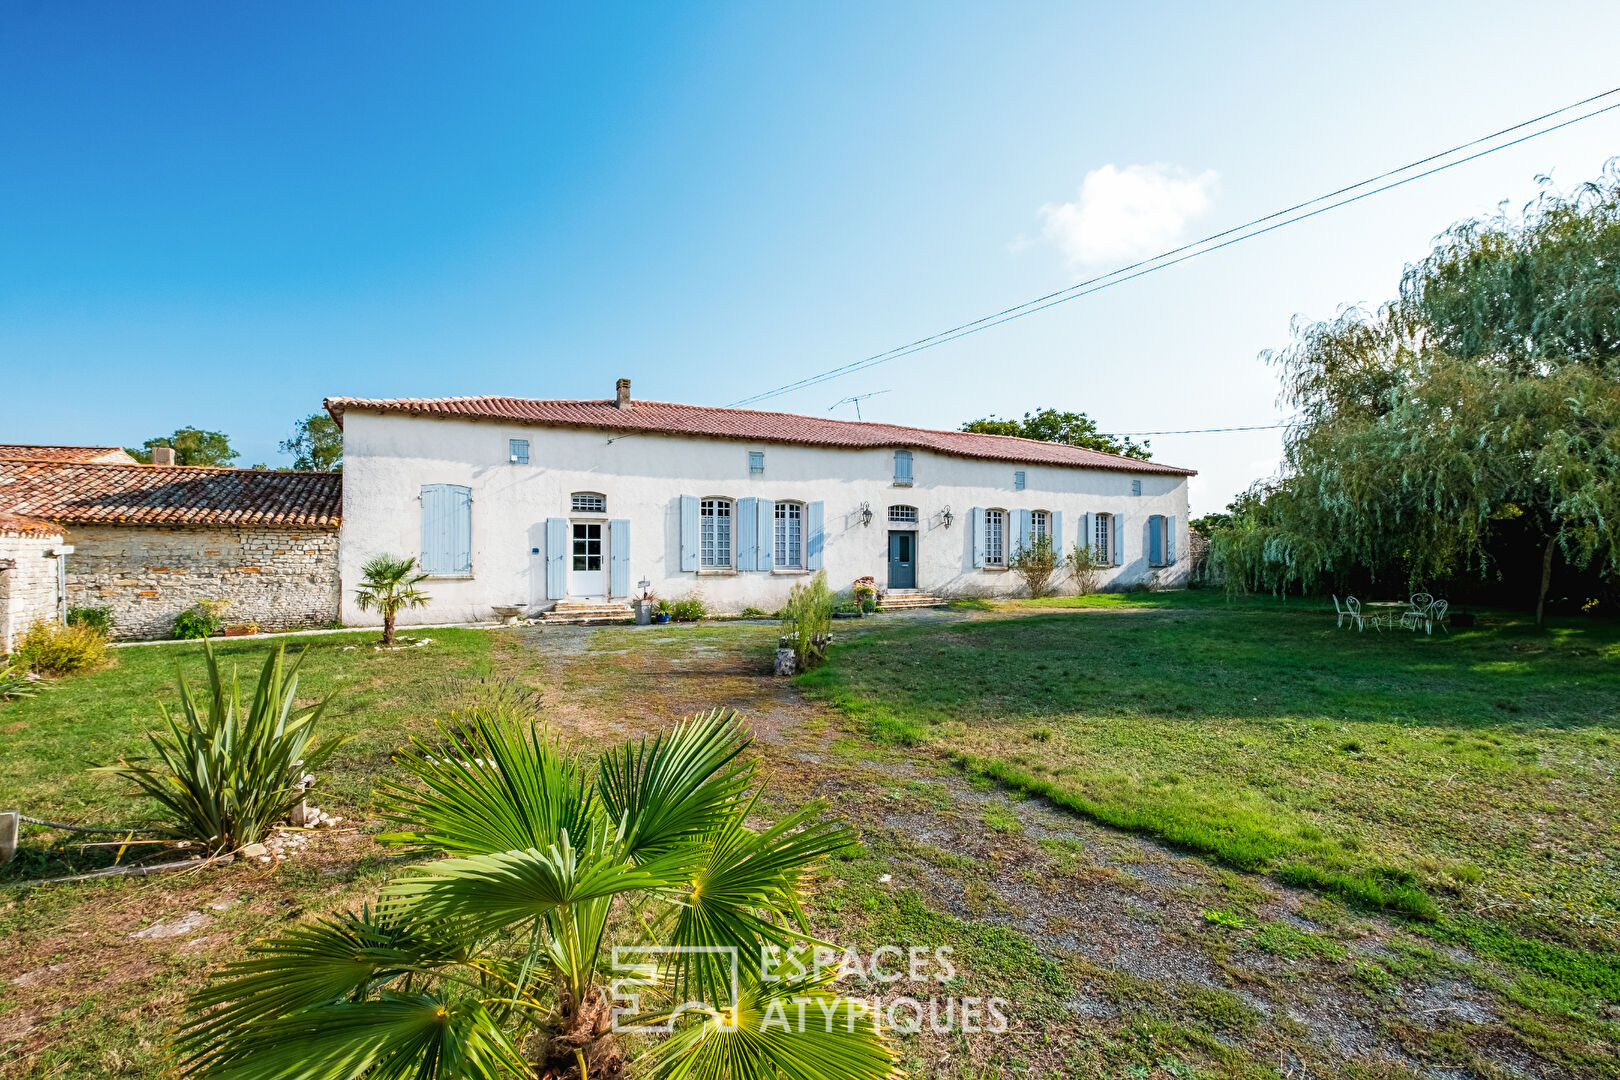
column 89, row 494
column 666, row 418
column 13, row 525
column 105, row 455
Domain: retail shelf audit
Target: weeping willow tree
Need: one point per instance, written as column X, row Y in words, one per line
column 1488, row 393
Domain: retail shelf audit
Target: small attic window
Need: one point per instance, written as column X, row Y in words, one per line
column 517, row 451
column 756, row 463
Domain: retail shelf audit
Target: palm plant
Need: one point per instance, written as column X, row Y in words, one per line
column 388, row 584
column 472, row 965
column 225, row 773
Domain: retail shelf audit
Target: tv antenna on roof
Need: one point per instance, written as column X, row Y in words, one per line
column 856, row 401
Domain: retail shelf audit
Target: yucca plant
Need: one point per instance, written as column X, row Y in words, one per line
column 224, row 774
column 496, row 961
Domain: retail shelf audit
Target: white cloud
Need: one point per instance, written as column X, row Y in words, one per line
column 1124, row 214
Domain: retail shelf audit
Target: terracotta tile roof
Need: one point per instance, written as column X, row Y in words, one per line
column 87, row 494
column 12, row 525
column 106, row 455
column 665, row 418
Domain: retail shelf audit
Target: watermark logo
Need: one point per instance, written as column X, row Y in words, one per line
column 644, row 967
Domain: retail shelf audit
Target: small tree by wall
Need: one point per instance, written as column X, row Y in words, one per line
column 1085, row 568
column 1036, row 562
column 388, row 584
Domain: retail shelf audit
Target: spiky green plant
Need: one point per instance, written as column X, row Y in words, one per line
column 503, row 947
column 224, row 774
column 389, row 583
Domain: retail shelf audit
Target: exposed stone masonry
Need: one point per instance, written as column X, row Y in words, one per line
column 280, row 579
column 28, row 587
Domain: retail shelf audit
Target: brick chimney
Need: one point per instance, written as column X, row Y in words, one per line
column 623, row 391
column 163, row 455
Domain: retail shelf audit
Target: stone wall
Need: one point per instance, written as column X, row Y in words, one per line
column 28, row 588
column 280, row 579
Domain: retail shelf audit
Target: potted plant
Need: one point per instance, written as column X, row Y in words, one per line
column 661, row 612
column 242, row 630
column 644, row 605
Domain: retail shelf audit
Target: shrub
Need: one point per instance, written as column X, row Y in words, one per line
column 50, row 648
column 1084, row 567
column 808, row 615
column 752, row 612
column 689, row 608
column 201, row 620
column 98, row 619
column 223, row 773
column 15, row 682
column 1036, row 562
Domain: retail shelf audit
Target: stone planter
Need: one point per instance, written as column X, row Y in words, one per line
column 241, row 631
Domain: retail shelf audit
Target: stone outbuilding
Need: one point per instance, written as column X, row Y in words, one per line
column 150, row 541
column 30, row 582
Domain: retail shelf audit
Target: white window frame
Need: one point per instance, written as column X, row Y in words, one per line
column 1040, row 524
column 787, row 536
column 901, row 514
column 717, row 526
column 995, row 538
column 1102, row 538
column 579, row 502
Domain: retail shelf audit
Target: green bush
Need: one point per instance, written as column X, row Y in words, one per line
column 1036, row 562
column 225, row 773
column 201, row 621
column 689, row 608
column 98, row 619
column 808, row 615
column 49, row 648
column 752, row 612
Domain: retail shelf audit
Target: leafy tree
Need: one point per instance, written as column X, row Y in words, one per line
column 507, row 943
column 1068, row 428
column 1483, row 403
column 316, row 444
column 388, row 583
column 192, row 446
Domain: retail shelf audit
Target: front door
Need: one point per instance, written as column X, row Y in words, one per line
column 902, row 560
column 587, row 569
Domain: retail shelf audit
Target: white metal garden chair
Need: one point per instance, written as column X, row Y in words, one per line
column 1351, row 611
column 1436, row 616
column 1417, row 615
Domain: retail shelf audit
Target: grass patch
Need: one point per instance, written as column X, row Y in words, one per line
column 1378, row 769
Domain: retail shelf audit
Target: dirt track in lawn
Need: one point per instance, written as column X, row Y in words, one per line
column 1119, row 956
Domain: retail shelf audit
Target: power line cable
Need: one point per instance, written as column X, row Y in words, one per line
column 1195, row 431
column 1185, row 251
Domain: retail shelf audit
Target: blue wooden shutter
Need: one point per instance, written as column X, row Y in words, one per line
column 748, row 534
column 1087, row 536
column 1169, row 540
column 765, row 538
column 556, row 558
column 446, row 529
column 1119, row 539
column 902, row 466
column 976, row 527
column 619, row 557
column 814, row 538
column 1018, row 479
column 689, row 532
column 1057, row 535
column 1026, row 526
column 1155, row 541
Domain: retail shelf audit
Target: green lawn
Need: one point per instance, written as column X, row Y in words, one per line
column 378, row 700
column 1466, row 782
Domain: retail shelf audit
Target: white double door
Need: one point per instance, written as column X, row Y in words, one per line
column 587, row 559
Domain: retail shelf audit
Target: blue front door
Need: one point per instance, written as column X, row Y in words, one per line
column 902, row 560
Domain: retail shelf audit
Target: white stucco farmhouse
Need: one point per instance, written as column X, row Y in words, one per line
column 524, row 503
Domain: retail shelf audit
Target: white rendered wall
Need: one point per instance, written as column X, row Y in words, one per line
column 388, row 457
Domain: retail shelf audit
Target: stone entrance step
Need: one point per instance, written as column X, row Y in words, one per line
column 587, row 612
column 901, row 599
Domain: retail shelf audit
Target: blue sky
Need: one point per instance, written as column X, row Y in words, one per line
column 219, row 214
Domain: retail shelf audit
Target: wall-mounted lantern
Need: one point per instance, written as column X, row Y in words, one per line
column 866, row 514
column 946, row 517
